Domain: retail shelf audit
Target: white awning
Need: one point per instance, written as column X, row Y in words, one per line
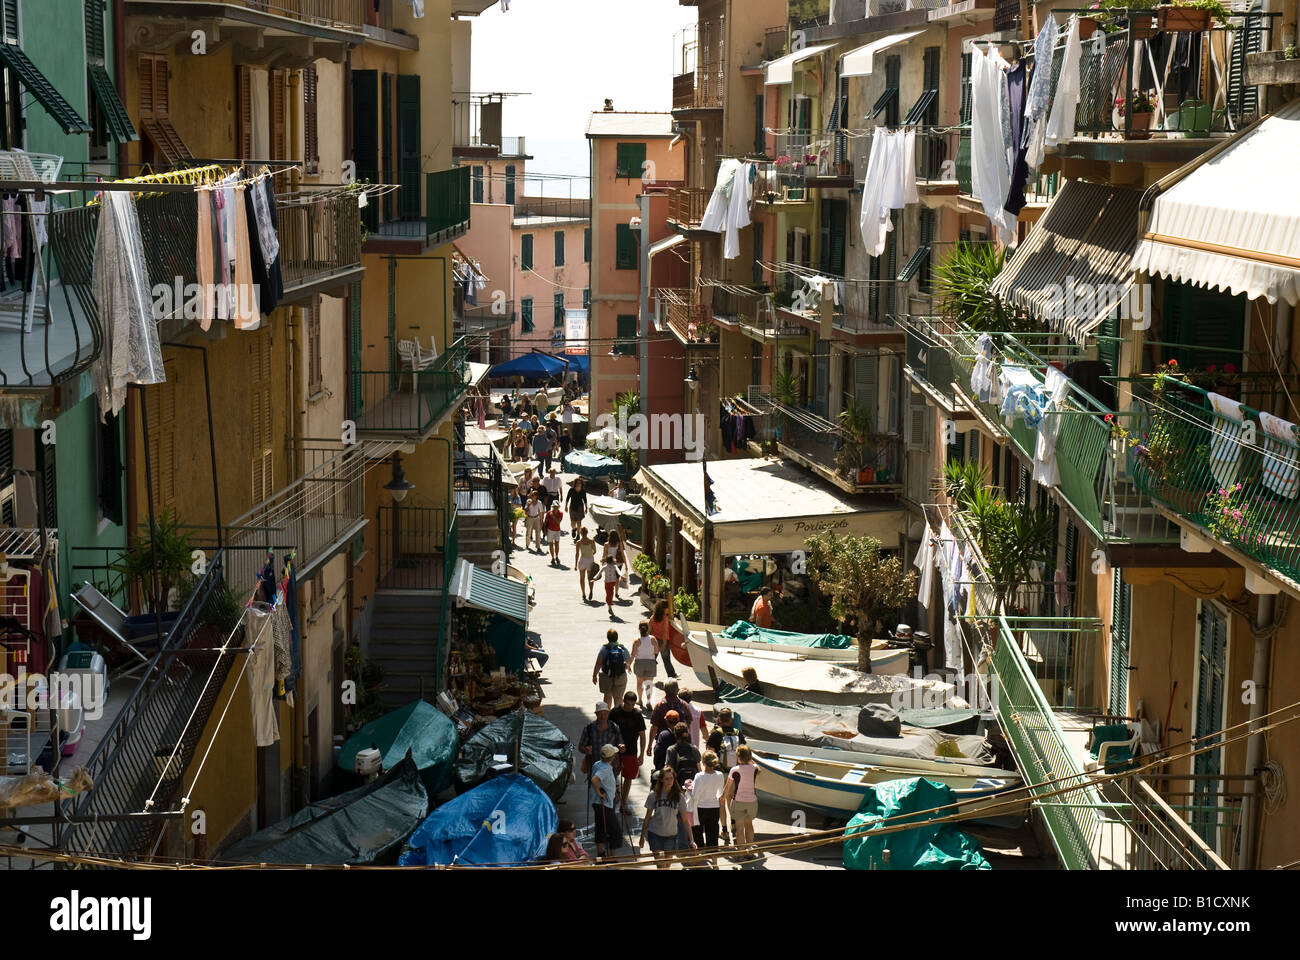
column 782, row 70
column 858, row 63
column 1233, row 223
column 659, row 246
column 475, row 372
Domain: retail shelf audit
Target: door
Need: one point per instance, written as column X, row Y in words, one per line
column 1211, row 680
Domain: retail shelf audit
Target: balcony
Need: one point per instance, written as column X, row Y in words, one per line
column 485, row 318
column 699, row 76
column 476, row 122
column 686, row 206
column 141, row 766
column 689, row 320
column 733, row 306
column 446, row 215
column 417, row 547
column 274, row 30
column 1006, row 16
column 316, row 516
column 398, row 403
column 864, row 313
column 320, row 242
column 1232, row 482
column 781, row 183
column 822, row 446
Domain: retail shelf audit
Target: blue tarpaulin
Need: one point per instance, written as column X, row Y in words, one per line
column 504, row 820
column 531, row 366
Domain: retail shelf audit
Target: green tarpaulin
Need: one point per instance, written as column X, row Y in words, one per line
column 420, row 728
column 363, row 826
column 545, row 755
column 936, row 847
column 744, row 630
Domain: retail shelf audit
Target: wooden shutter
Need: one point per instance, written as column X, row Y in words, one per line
column 918, row 421
column 558, row 320
column 387, row 151
column 757, row 235
column 965, row 89
column 526, row 315
column 629, row 161
column 160, row 409
column 279, row 124
column 315, row 375
column 760, row 134
column 866, row 373
column 155, row 109
column 1200, row 319
column 1121, row 612
column 625, row 248
column 834, row 218
column 821, row 377
column 409, row 158
column 586, row 298
column 526, row 252
column 559, row 248
column 365, row 134
column 261, row 415
column 586, row 245
column 510, row 183
column 626, row 333
column 244, row 111
column 310, row 121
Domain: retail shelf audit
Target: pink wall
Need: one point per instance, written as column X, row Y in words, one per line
column 546, row 279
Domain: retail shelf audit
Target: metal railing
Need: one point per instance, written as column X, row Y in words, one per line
column 320, row 237
column 690, row 320
column 736, row 306
column 343, row 14
column 878, row 463
column 381, row 406
column 316, row 515
column 1233, row 478
column 413, row 547
column 486, row 317
column 141, row 764
column 699, row 80
column 446, row 207
column 481, row 468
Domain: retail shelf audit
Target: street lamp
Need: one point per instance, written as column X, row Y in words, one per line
column 399, row 486
column 692, row 381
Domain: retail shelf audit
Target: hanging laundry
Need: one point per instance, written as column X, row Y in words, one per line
column 981, row 379
column 1225, row 438
column 121, row 287
column 728, row 208
column 1022, row 396
column 990, row 139
column 1060, row 122
column 924, row 561
column 1039, row 97
column 289, row 586
column 1279, row 466
column 245, row 306
column 260, row 641
column 890, row 184
column 265, row 273
column 1056, row 387
column 207, row 245
column 264, row 217
column 1062, row 587
column 1016, row 95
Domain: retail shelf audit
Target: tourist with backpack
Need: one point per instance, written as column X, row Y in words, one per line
column 599, row 733
column 610, row 672
column 681, row 756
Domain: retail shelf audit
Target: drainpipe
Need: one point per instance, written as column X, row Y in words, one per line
column 644, row 351
column 1265, row 628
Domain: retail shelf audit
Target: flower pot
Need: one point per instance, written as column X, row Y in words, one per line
column 844, row 169
column 1142, row 25
column 866, row 475
column 1184, row 500
column 1184, row 19
column 1140, row 126
column 1087, row 27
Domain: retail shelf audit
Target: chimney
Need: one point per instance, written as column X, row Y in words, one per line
column 609, row 105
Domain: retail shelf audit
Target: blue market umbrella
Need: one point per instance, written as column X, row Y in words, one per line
column 587, row 464
column 578, row 362
column 536, row 366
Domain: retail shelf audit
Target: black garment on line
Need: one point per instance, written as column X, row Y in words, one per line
column 268, row 282
column 1017, row 89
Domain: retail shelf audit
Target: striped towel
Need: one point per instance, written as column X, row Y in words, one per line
column 1280, row 458
column 1225, row 438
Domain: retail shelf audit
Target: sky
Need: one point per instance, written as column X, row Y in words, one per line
column 570, row 55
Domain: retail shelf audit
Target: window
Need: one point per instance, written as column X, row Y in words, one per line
column 526, row 252
column 586, row 245
column 559, row 311
column 559, row 248
column 310, row 125
column 261, row 446
column 510, row 183
column 833, row 229
column 586, row 298
column 278, row 121
column 315, row 376
column 760, row 134
column 155, row 109
column 1121, row 612
column 627, row 335
column 365, row 134
column 409, row 156
column 108, row 115
column 19, row 70
column 526, row 315
column 160, row 411
column 478, row 184
column 630, row 158
column 625, row 257
column 888, row 101
column 965, row 89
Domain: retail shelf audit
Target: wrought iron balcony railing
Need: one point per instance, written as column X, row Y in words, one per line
column 446, row 208
column 417, row 547
column 407, row 402
column 699, row 76
column 1235, row 479
column 320, row 238
column 341, row 14
column 821, row 444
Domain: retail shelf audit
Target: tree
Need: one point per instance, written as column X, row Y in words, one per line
column 865, row 586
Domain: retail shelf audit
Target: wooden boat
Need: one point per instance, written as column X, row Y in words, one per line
column 820, row 681
column 837, row 789
column 935, row 768
column 883, row 659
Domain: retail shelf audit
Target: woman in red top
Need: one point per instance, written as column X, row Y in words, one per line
column 553, row 518
column 761, row 614
column 659, row 626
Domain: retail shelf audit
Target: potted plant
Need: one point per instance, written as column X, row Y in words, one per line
column 1274, row 66
column 1139, row 108
column 169, row 550
column 1191, row 15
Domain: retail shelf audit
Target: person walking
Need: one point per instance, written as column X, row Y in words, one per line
column 660, row 624
column 632, row 725
column 614, row 549
column 602, row 794
column 541, row 401
column 671, row 703
column 554, row 517
column 707, row 789
column 695, row 722
column 534, row 512
column 516, row 511
column 610, row 575
column 725, row 742
column 552, row 484
column 610, row 671
column 681, row 756
column 566, row 444
column 664, row 739
column 665, row 809
column 575, row 501
column 519, row 443
column 645, row 661
column 741, row 797
column 542, row 448
column 584, row 558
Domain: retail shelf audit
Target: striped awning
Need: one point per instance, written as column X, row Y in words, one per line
column 1075, row 267
column 482, row 590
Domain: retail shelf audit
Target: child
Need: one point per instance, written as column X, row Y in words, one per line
column 610, row 576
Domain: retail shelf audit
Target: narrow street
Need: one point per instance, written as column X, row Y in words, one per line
column 572, row 632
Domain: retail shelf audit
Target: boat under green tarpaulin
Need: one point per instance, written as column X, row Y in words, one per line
column 744, row 630
column 537, row 747
column 418, row 728
column 365, row 826
column 928, row 847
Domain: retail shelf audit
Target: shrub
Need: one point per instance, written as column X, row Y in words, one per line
column 687, row 604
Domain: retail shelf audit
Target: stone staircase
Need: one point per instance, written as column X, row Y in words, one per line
column 477, row 536
column 403, row 641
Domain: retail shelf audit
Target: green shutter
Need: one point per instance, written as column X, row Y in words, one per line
column 559, row 248
column 625, row 248
column 965, row 89
column 757, row 233
column 821, row 377
column 478, row 184
column 834, row 219
column 586, row 245
column 526, row 252
column 1108, row 343
column 1209, row 325
column 1121, row 612
column 510, row 183
column 630, row 161
column 760, row 134
column 526, row 315
column 49, row 483
column 408, row 134
column 386, row 138
column 586, row 298
column 354, row 339
column 365, row 136
column 559, row 310
column 29, row 75
column 866, row 390
column 626, row 333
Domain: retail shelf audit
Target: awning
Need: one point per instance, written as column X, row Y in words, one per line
column 782, row 70
column 481, row 590
column 667, row 243
column 858, row 63
column 62, row 112
column 1233, row 223
column 475, row 372
column 1075, row 267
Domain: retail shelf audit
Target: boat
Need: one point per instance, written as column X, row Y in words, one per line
column 419, row 729
column 915, row 765
column 952, row 722
column 504, row 820
column 610, row 513
column 821, row 681
column 883, row 659
column 838, row 789
column 534, row 746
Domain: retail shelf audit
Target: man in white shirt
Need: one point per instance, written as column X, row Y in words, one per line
column 542, row 402
column 567, row 414
column 552, row 484
column 534, row 511
column 619, row 492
